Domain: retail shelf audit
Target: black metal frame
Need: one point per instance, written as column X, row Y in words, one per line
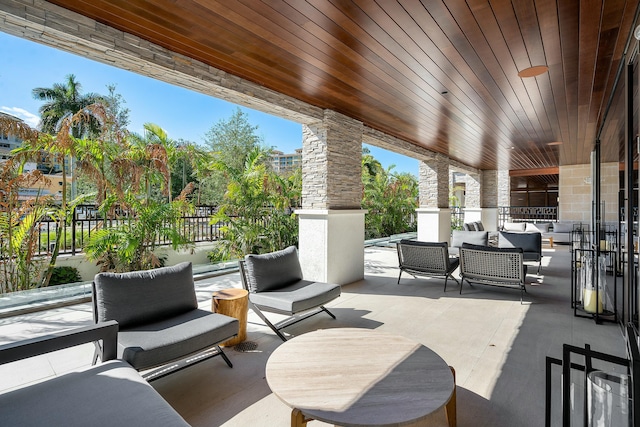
column 586, row 246
column 278, row 326
column 633, row 368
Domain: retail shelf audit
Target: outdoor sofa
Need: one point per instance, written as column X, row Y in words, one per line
column 109, row 394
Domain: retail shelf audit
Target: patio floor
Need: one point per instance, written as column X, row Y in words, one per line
column 497, row 345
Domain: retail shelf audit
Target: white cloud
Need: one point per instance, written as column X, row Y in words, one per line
column 30, row 118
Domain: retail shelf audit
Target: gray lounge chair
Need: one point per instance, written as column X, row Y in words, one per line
column 276, row 285
column 426, row 259
column 159, row 318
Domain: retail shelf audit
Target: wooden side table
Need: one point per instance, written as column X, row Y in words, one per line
column 235, row 303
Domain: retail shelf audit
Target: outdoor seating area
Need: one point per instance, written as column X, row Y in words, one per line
column 491, row 354
column 158, row 318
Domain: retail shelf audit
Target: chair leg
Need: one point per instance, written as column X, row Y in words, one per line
column 97, row 352
column 224, row 356
column 267, row 322
column 327, row 311
column 445, row 283
column 398, row 282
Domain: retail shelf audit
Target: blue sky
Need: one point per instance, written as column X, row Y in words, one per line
column 182, row 113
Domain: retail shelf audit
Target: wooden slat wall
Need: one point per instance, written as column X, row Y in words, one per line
column 387, row 63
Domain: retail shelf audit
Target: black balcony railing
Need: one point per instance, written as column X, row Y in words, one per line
column 527, row 214
column 87, row 220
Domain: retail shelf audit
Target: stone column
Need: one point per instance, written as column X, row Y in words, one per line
column 434, row 215
column 331, row 232
column 495, row 194
column 472, row 210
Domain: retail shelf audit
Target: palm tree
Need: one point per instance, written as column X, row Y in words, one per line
column 64, row 100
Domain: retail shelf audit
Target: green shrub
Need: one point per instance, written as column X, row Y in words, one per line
column 63, row 275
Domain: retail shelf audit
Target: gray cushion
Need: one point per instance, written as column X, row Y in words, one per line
column 273, row 270
column 562, row 227
column 109, row 394
column 530, row 243
column 171, row 339
column 300, row 296
column 491, row 248
column 144, row 296
column 474, row 237
column 479, row 226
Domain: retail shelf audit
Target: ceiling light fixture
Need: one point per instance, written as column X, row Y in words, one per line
column 533, row 71
column 636, row 33
column 554, row 143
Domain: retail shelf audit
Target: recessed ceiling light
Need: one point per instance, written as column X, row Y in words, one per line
column 533, row 71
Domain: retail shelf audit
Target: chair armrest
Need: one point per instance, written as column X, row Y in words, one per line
column 105, row 331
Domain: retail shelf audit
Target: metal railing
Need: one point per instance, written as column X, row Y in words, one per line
column 527, row 214
column 87, row 220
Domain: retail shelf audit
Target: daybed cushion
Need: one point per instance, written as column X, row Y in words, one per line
column 157, row 294
column 274, row 270
column 157, row 343
column 109, row 394
column 562, row 227
column 537, row 227
column 514, row 226
column 300, row 296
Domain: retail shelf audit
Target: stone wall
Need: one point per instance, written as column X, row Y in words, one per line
column 575, row 192
column 332, row 163
column 433, row 184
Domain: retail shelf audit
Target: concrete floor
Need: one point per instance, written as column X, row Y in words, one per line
column 497, row 345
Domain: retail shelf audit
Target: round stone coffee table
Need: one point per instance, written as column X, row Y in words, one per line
column 360, row 377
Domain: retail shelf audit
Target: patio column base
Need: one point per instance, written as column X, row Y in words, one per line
column 331, row 244
column 434, row 224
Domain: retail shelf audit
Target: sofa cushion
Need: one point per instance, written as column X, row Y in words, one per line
column 479, row 226
column 459, row 237
column 157, row 343
column 300, row 296
column 528, row 242
column 273, row 270
column 514, row 226
column 562, row 227
column 144, row 296
column 541, row 227
column 109, row 394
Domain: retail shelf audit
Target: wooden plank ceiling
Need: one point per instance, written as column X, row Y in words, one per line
column 441, row 74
